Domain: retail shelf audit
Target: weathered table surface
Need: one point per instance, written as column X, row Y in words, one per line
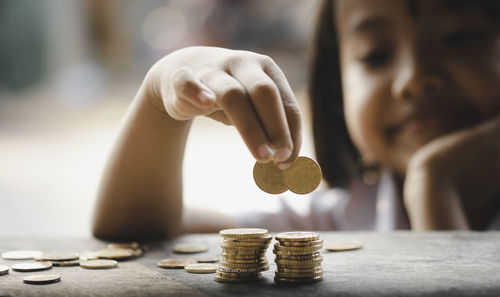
column 389, row 264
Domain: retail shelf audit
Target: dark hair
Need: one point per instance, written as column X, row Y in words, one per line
column 335, row 151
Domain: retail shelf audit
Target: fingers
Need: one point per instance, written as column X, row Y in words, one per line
column 266, row 99
column 192, row 97
column 233, row 99
column 290, row 106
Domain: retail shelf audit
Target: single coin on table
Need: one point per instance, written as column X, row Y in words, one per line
column 303, row 176
column 41, row 279
column 269, row 178
column 21, row 255
column 4, row 269
column 98, row 264
column 123, row 245
column 201, row 268
column 342, row 246
column 115, row 254
column 189, row 248
column 208, row 259
column 175, row 263
column 31, row 266
column 57, row 257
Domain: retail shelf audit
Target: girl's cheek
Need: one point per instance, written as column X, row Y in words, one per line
column 363, row 103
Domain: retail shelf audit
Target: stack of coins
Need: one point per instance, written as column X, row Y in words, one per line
column 297, row 257
column 243, row 255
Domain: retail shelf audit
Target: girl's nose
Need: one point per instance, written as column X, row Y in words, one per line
column 416, row 79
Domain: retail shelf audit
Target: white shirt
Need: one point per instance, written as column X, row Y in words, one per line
column 376, row 207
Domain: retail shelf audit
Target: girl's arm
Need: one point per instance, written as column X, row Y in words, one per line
column 140, row 195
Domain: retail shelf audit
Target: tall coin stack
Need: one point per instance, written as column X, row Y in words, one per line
column 243, row 255
column 298, row 259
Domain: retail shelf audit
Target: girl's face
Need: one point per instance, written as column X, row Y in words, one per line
column 412, row 72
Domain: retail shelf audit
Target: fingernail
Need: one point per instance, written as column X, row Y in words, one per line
column 282, row 155
column 265, row 152
column 284, row 166
column 206, row 96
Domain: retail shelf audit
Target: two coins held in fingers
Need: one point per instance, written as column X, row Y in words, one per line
column 302, row 177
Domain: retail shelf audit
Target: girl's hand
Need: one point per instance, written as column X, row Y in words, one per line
column 238, row 88
column 453, row 182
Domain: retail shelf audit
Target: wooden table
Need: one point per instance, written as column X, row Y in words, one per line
column 389, row 264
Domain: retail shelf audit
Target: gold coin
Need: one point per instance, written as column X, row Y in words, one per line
column 241, row 265
column 213, row 259
column 98, row 264
column 298, row 249
column 243, row 248
column 250, row 244
column 242, row 257
column 66, row 263
column 201, row 268
column 343, row 246
column 175, row 263
column 299, row 264
column 189, row 248
column 31, row 266
column 303, row 176
column 267, row 238
column 222, row 268
column 269, row 178
column 88, row 256
column 41, row 279
column 297, row 280
column 301, row 243
column 137, row 252
column 285, row 269
column 21, row 255
column 299, row 275
column 244, row 252
column 115, row 254
column 243, row 261
column 4, row 269
column 297, row 236
column 238, row 274
column 123, row 245
column 308, row 257
column 57, row 257
column 244, row 233
column 294, row 253
column 222, row 279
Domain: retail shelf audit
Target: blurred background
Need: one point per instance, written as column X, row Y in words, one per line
column 70, row 68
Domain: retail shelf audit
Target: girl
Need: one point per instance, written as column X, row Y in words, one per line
column 410, row 88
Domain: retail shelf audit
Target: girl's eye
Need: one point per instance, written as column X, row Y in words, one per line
column 462, row 37
column 376, row 58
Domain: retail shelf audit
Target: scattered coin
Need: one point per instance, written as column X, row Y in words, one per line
column 213, row 259
column 189, row 248
column 4, row 269
column 57, row 257
column 115, row 254
column 123, row 245
column 201, row 268
column 269, row 178
column 138, row 252
column 303, row 176
column 88, row 256
column 21, row 255
column 98, row 264
column 31, row 266
column 41, row 279
column 175, row 263
column 342, row 246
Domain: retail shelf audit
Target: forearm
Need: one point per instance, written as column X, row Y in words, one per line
column 140, row 195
